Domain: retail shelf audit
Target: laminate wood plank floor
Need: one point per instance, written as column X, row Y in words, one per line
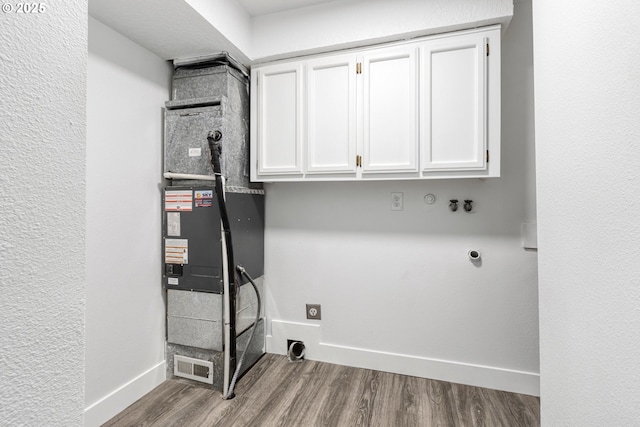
column 276, row 392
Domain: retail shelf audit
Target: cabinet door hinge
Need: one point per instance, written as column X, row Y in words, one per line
column 359, row 161
column 359, row 68
column 487, row 49
column 487, row 156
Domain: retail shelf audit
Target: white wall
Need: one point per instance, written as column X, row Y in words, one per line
column 587, row 78
column 127, row 88
column 229, row 18
column 398, row 292
column 42, row 230
column 342, row 24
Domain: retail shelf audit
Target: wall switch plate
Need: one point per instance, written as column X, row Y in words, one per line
column 314, row 312
column 397, row 201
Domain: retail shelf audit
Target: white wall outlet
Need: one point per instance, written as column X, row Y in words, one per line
column 397, row 201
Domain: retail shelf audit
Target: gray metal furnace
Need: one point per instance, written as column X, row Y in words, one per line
column 202, row 338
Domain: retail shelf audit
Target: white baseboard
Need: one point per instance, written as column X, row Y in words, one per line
column 444, row 370
column 109, row 406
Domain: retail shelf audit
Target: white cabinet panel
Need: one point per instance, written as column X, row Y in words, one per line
column 279, row 119
column 454, row 103
column 421, row 109
column 331, row 115
column 390, row 110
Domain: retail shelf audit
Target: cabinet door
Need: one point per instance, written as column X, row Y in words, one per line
column 390, row 106
column 277, row 108
column 453, row 117
column 331, row 115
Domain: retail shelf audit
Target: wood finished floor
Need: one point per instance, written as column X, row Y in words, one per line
column 276, row 392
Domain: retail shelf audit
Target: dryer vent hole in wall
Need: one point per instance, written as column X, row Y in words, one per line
column 295, row 350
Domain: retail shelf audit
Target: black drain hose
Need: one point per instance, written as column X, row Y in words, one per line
column 215, row 148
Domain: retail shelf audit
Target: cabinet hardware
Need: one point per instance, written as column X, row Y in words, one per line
column 358, row 161
column 359, row 68
column 487, row 157
column 487, row 49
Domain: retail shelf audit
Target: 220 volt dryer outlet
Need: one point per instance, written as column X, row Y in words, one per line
column 314, row 312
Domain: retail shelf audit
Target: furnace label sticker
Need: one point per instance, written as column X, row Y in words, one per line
column 204, row 198
column 195, row 152
column 176, row 251
column 178, row 200
column 173, row 224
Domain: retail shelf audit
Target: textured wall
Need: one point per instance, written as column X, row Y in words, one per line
column 400, row 283
column 587, row 79
column 42, row 230
column 127, row 88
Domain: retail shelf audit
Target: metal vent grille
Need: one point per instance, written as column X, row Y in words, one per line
column 193, row 369
column 201, row 371
column 185, row 367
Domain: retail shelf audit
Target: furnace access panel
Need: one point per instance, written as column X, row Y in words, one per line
column 192, row 238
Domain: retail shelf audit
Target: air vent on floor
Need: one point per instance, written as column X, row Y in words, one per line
column 193, row 369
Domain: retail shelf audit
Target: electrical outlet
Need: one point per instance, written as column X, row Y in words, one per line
column 314, row 312
column 397, row 201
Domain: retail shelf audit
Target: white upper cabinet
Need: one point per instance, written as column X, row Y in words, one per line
column 419, row 109
column 454, row 103
column 331, row 115
column 390, row 106
column 276, row 113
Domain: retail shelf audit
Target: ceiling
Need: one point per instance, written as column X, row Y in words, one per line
column 265, row 7
column 173, row 29
column 252, row 31
column 169, row 28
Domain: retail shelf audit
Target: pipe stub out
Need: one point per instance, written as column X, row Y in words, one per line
column 474, row 255
column 296, row 351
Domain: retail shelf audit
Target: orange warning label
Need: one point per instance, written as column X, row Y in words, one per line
column 178, row 200
column 176, row 251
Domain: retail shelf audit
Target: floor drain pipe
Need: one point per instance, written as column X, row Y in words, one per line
column 296, row 351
